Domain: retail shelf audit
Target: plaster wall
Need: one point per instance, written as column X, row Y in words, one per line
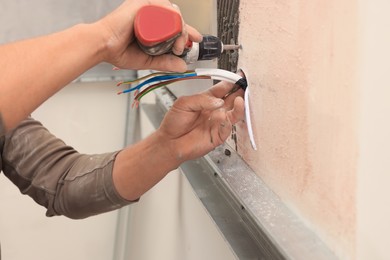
column 301, row 60
column 373, row 212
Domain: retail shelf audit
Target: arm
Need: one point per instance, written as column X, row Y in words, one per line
column 194, row 126
column 35, row 69
column 80, row 185
column 55, row 175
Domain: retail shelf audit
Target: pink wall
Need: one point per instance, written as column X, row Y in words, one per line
column 373, row 194
column 300, row 58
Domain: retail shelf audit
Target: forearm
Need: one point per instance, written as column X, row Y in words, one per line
column 194, row 126
column 139, row 167
column 55, row 175
column 35, row 69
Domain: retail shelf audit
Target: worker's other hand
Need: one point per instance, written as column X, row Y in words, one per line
column 197, row 124
column 122, row 49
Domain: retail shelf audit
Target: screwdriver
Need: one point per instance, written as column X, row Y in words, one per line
column 156, row 28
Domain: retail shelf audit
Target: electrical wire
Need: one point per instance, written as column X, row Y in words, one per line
column 154, row 77
column 165, row 83
column 248, row 120
column 161, row 79
column 216, row 74
column 219, row 74
column 139, row 95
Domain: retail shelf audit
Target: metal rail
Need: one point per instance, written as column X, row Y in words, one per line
column 254, row 221
column 249, row 215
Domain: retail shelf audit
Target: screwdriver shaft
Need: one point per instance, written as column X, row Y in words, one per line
column 231, row 47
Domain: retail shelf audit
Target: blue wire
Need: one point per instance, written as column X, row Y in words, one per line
column 159, row 78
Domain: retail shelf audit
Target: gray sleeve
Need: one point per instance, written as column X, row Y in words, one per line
column 58, row 177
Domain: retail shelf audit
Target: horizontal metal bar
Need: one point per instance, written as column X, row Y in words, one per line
column 251, row 217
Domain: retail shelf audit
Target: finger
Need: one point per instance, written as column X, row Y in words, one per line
column 189, row 34
column 224, row 129
column 165, row 3
column 238, row 112
column 222, row 88
column 180, row 42
column 164, row 62
column 221, row 127
column 167, row 62
column 193, row 34
column 229, row 100
column 197, row 103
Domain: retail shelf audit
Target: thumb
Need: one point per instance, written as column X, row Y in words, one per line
column 238, row 111
column 198, row 102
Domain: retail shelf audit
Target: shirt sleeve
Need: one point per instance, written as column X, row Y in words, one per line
column 56, row 176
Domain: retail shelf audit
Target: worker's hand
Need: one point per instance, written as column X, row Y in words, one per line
column 196, row 124
column 122, row 49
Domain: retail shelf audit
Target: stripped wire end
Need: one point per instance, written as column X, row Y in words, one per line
column 120, row 83
column 155, row 86
column 135, row 104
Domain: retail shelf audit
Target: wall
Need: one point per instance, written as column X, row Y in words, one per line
column 319, row 78
column 18, row 21
column 373, row 212
column 319, row 83
column 301, row 59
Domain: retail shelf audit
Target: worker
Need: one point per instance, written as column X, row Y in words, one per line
column 80, row 185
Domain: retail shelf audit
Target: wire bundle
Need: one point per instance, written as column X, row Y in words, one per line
column 157, row 80
column 160, row 79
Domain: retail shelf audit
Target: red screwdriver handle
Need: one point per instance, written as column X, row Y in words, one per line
column 156, row 29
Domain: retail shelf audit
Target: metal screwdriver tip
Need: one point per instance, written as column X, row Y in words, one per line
column 231, row 47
